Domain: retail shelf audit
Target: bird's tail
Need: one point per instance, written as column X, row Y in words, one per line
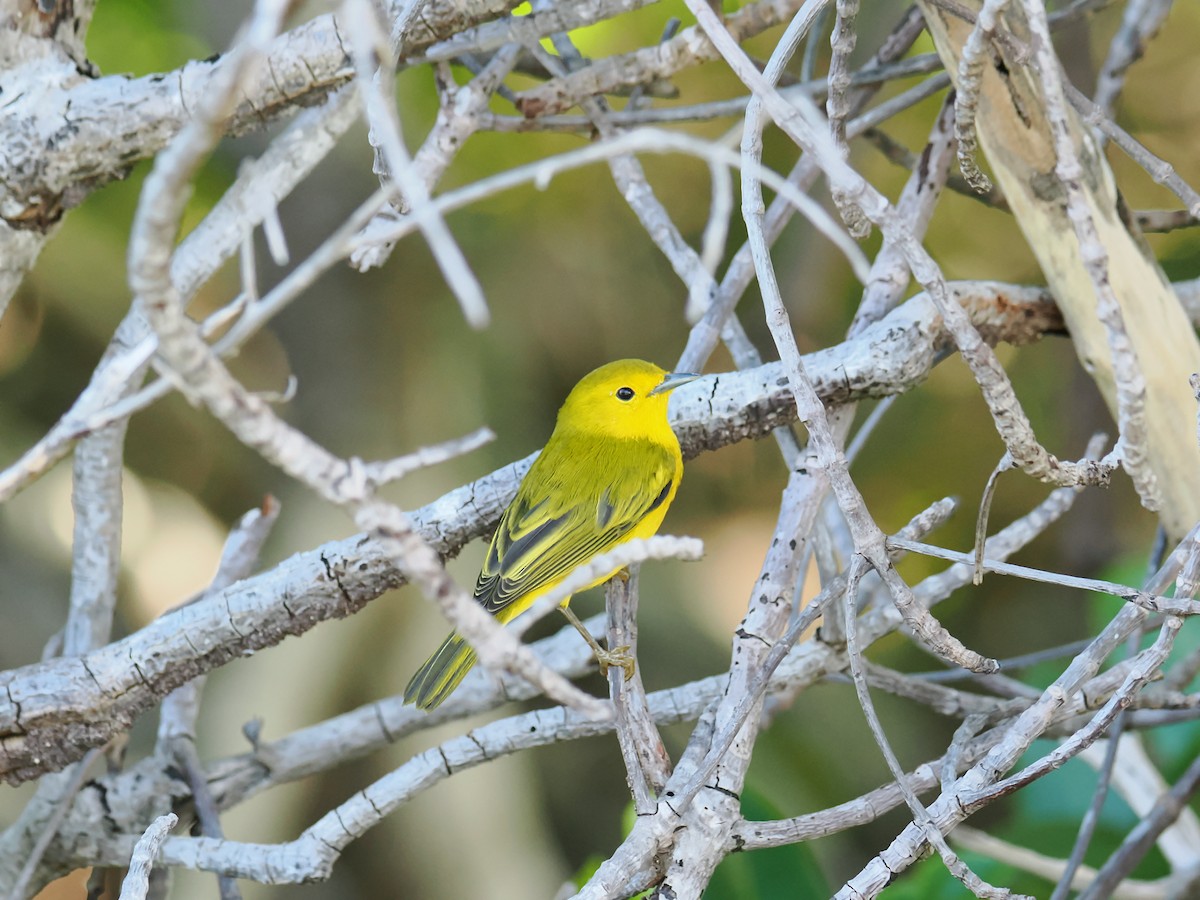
column 441, row 673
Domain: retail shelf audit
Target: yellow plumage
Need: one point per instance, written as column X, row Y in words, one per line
column 607, row 475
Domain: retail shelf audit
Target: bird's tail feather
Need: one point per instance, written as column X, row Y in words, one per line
column 441, row 673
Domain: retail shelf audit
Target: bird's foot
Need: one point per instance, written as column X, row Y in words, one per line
column 619, row 657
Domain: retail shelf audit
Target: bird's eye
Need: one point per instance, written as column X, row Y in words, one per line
column 625, row 393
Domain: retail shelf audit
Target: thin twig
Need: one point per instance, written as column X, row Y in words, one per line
column 1131, row 391
column 1139, row 841
column 921, row 816
column 841, row 42
column 1091, row 816
column 647, row 765
column 70, row 787
column 817, row 607
column 1147, row 600
column 137, row 880
column 1045, row 866
column 1144, row 668
column 976, row 51
column 180, row 708
column 373, row 64
column 985, row 506
column 1139, row 23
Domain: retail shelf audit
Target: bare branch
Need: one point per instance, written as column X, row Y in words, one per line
column 1148, row 601
column 921, row 816
column 137, row 881
column 975, row 52
column 58, row 807
column 73, row 131
column 1140, row 22
column 1126, row 367
column 1138, row 842
column 374, row 68
column 1143, row 669
column 649, row 64
column 96, row 697
column 1023, row 136
column 457, row 121
column 647, row 764
column 947, row 810
column 1045, row 866
column 632, row 552
column 180, row 708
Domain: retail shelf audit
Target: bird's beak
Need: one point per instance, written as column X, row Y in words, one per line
column 672, row 381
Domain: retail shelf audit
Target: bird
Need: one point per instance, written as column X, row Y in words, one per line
column 607, row 474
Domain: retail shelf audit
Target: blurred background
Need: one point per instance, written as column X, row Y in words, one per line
column 386, row 364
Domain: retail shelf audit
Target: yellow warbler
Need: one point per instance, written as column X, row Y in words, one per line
column 608, row 473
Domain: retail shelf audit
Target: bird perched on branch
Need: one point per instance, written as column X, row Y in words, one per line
column 607, row 475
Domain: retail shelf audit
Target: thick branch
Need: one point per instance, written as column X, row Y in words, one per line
column 50, row 713
column 1018, row 136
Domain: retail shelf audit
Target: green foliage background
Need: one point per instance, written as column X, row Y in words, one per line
column 385, row 364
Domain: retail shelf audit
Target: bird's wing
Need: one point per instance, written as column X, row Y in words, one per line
column 541, row 537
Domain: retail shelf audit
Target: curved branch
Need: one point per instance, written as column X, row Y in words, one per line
column 52, row 712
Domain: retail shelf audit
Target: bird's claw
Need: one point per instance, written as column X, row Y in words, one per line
column 619, row 657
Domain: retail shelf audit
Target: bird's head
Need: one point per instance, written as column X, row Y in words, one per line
column 624, row 399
